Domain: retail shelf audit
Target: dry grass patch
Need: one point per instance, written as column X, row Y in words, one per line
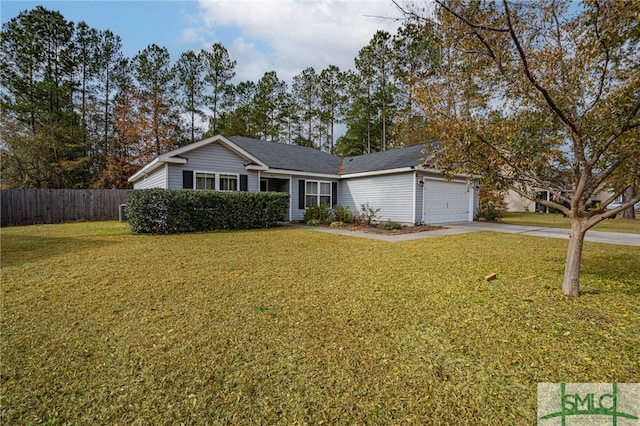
column 556, row 220
column 288, row 326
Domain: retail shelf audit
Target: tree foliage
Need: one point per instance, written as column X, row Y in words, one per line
column 77, row 113
column 539, row 96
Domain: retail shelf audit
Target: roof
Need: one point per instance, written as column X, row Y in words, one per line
column 263, row 155
column 289, row 157
column 397, row 158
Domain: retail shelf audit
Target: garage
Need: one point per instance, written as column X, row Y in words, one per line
column 445, row 201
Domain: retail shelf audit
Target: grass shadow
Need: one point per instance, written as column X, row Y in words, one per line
column 22, row 249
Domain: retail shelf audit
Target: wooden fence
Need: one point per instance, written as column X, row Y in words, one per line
column 31, row 206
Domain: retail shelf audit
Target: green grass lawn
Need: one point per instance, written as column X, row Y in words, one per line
column 556, row 220
column 291, row 326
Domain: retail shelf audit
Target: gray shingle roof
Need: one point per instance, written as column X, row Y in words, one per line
column 289, row 157
column 386, row 160
column 300, row 158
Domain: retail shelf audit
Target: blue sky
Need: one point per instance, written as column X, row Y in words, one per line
column 284, row 35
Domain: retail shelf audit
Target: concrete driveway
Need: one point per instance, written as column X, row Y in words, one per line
column 468, row 227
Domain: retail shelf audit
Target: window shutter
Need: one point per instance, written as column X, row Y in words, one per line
column 244, row 182
column 334, row 193
column 187, row 179
column 301, row 189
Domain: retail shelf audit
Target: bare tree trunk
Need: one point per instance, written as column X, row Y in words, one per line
column 571, row 284
column 627, row 195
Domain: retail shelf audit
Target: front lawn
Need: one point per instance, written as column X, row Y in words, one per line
column 556, row 220
column 290, row 326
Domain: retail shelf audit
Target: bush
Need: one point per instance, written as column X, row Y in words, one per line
column 317, row 215
column 337, row 224
column 368, row 214
column 160, row 211
column 390, row 226
column 342, row 214
column 491, row 204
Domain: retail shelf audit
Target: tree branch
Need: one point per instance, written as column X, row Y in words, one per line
column 547, row 96
column 607, row 59
column 469, row 23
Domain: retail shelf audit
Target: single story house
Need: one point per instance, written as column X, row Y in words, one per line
column 394, row 181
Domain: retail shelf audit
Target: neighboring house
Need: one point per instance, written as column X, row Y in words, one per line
column 393, row 181
column 517, row 203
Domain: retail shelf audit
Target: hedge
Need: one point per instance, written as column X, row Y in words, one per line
column 162, row 211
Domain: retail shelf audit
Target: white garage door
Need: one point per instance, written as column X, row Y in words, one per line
column 445, row 202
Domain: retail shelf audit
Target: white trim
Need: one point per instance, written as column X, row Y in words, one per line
column 378, row 172
column 172, row 156
column 472, row 190
column 319, row 194
column 254, row 167
column 259, row 179
column 215, row 178
column 414, row 201
column 301, row 173
column 166, row 175
column 442, row 179
column 290, row 199
column 157, row 162
column 219, row 181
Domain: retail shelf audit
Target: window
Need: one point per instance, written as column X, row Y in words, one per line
column 318, row 193
column 228, row 182
column 205, row 180
column 325, row 194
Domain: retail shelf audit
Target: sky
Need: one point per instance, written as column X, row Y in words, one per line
column 261, row 35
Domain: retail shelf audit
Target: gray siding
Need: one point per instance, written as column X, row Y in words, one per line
column 392, row 194
column 212, row 158
column 156, row 179
column 297, row 214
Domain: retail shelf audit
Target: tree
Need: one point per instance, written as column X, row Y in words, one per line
column 306, row 98
column 189, row 70
column 357, row 115
column 219, row 69
column 415, row 60
column 84, row 51
column 41, row 139
column 112, row 74
column 154, row 77
column 238, row 119
column 267, row 105
column 332, row 98
column 375, row 63
column 540, row 96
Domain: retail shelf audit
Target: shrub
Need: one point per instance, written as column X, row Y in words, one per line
column 390, row 226
column 342, row 214
column 368, row 214
column 337, row 224
column 491, row 205
column 317, row 215
column 160, row 211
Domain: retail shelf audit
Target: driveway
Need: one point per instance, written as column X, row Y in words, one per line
column 468, row 227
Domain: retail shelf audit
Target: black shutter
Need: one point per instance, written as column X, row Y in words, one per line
column 244, row 182
column 334, row 193
column 301, row 189
column 187, row 179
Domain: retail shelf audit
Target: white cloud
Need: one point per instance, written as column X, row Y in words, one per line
column 291, row 35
